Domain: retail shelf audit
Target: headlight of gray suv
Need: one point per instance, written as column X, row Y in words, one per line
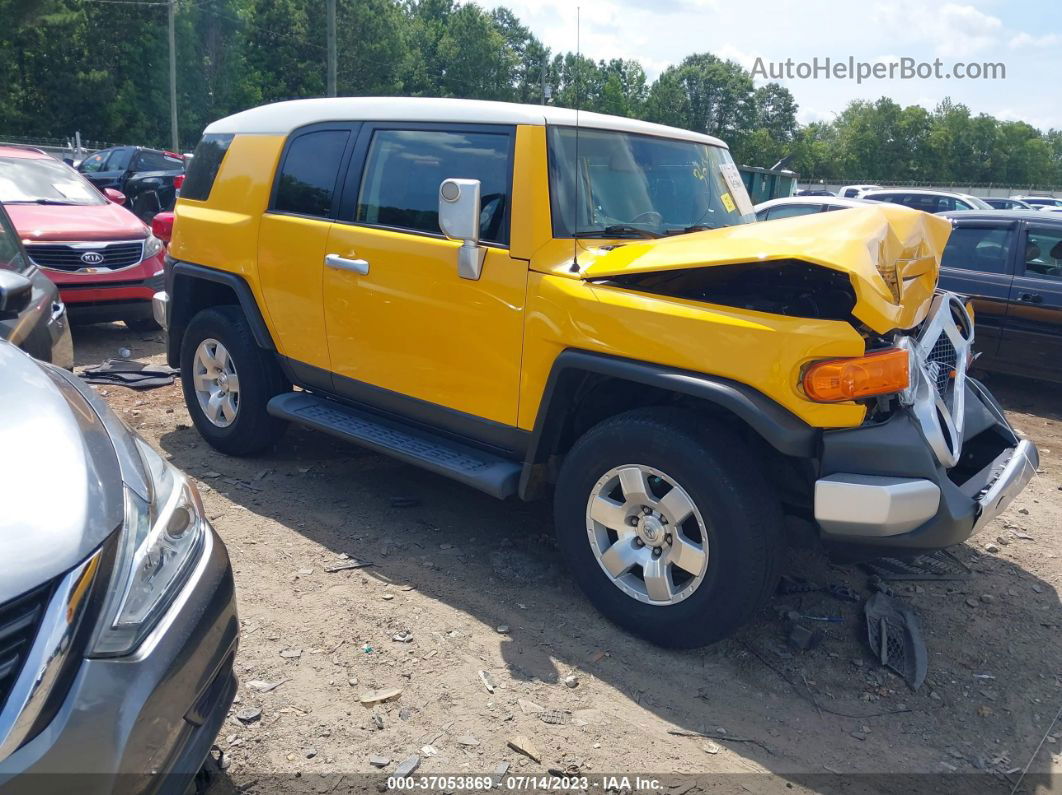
column 159, row 545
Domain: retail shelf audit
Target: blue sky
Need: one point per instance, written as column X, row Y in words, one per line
column 1025, row 35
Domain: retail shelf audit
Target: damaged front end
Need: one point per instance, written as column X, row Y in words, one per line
column 934, row 458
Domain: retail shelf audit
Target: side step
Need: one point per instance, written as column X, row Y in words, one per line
column 484, row 471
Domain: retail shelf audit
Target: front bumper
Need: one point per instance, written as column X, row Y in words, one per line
column 882, row 486
column 143, row 723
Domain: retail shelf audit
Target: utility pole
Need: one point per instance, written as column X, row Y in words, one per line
column 174, row 142
column 331, row 48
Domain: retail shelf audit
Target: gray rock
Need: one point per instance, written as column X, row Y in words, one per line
column 379, row 761
column 310, row 753
column 407, row 766
column 249, row 715
column 571, row 680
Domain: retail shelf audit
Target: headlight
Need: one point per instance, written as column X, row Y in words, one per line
column 152, row 246
column 159, row 544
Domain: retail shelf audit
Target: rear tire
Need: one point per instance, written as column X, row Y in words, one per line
column 228, row 380
column 733, row 519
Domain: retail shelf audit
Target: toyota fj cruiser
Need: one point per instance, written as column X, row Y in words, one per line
column 530, row 301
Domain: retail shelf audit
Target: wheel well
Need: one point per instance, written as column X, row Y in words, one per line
column 581, row 400
column 191, row 296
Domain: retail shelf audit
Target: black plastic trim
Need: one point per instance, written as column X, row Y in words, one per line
column 180, row 315
column 782, row 429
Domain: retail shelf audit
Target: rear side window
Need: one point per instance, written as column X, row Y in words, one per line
column 404, row 168
column 206, row 160
column 156, row 161
column 309, row 173
column 1043, row 253
column 983, row 249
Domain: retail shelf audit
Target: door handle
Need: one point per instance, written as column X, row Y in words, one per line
column 342, row 263
column 1030, row 298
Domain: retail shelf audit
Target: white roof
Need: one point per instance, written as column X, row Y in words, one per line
column 281, row 118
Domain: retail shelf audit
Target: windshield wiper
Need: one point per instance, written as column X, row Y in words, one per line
column 688, row 229
column 42, row 201
column 619, row 230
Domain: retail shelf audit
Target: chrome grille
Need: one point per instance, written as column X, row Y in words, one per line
column 941, row 361
column 19, row 620
column 77, row 256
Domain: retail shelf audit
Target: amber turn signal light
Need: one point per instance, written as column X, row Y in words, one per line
column 878, row 373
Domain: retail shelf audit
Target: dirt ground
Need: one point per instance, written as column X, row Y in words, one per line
column 478, row 586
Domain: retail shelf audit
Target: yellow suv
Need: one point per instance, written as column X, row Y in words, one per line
column 530, row 301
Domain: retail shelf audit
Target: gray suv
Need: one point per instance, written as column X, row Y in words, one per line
column 118, row 621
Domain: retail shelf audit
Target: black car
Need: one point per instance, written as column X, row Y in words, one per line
column 814, row 192
column 32, row 316
column 1001, row 203
column 146, row 177
column 1010, row 263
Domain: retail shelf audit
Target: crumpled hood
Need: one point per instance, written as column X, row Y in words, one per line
column 891, row 253
column 60, row 480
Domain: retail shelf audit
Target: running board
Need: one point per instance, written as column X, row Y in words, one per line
column 464, row 463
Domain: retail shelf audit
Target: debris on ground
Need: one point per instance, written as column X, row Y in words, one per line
column 405, row 636
column 803, row 638
column 249, row 715
column 132, row 374
column 488, row 681
column 845, row 593
column 941, row 565
column 524, row 746
column 571, row 680
column 379, row 761
column 895, row 636
column 370, row 697
column 266, row 687
column 347, row 564
column 407, row 766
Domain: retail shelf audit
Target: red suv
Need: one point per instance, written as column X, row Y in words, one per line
column 105, row 261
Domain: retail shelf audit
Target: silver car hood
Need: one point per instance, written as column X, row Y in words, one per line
column 61, row 475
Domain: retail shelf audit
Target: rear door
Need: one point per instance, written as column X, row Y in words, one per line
column 112, row 174
column 979, row 262
column 1032, row 342
column 292, row 239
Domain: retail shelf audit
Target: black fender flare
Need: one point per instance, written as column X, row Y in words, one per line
column 180, row 276
column 778, row 426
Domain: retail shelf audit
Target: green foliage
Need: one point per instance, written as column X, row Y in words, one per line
column 102, row 68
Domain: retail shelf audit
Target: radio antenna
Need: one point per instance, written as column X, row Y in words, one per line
column 578, row 176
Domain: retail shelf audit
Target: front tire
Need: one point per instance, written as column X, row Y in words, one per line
column 228, row 380
column 668, row 526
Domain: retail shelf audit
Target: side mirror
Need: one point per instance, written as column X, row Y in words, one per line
column 16, row 292
column 114, row 196
column 459, row 220
column 162, row 226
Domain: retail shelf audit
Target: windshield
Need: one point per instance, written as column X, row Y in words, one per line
column 29, row 181
column 625, row 185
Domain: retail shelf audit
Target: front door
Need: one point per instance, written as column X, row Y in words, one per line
column 979, row 262
column 1032, row 342
column 405, row 331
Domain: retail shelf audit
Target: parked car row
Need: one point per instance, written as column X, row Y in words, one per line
column 1008, row 262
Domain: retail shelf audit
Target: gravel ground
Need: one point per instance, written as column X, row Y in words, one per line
column 466, row 610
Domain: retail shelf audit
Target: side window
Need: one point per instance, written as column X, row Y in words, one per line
column 1043, row 253
column 154, row 161
column 11, row 257
column 793, row 210
column 203, row 170
column 983, row 249
column 404, row 168
column 309, row 174
column 92, row 164
column 119, row 159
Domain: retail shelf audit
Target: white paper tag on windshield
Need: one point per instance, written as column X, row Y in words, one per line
column 737, row 187
column 72, row 189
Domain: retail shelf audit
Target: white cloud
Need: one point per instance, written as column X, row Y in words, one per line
column 953, row 30
column 1028, row 40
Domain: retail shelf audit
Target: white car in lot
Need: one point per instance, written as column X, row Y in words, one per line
column 855, row 191
column 789, row 206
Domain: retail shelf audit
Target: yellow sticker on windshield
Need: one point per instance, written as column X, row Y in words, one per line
column 728, row 202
